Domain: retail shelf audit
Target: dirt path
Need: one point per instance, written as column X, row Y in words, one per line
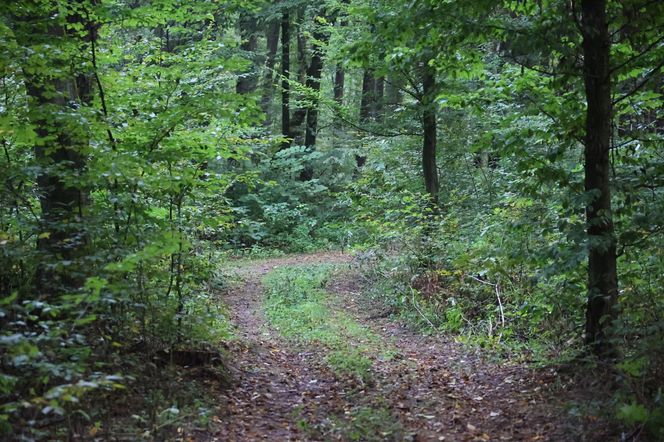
column 443, row 392
column 432, row 388
column 276, row 386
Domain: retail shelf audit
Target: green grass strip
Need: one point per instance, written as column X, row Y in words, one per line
column 299, row 308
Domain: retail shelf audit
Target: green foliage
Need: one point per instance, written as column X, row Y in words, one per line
column 503, row 261
column 279, row 210
column 139, row 276
column 131, row 168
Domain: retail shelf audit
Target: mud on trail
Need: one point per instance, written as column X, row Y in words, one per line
column 430, row 389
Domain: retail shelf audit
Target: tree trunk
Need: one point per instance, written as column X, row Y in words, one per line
column 60, row 149
column 367, row 102
column 429, row 167
column 300, row 113
column 367, row 107
column 314, row 74
column 339, row 81
column 301, row 54
column 602, row 271
column 272, row 42
column 338, row 89
column 285, row 73
column 248, row 80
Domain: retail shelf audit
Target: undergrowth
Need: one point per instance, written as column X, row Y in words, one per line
column 511, row 314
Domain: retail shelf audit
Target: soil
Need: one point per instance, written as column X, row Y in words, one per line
column 434, row 388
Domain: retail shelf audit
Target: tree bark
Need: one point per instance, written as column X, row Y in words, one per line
column 301, row 54
column 339, row 83
column 272, row 43
column 367, row 101
column 314, row 73
column 299, row 113
column 602, row 269
column 429, row 166
column 367, row 107
column 285, row 74
column 338, row 90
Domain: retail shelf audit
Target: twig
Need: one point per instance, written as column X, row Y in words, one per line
column 412, row 292
column 500, row 305
column 636, row 88
column 640, row 54
column 172, row 421
column 497, row 289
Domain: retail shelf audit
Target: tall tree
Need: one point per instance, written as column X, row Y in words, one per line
column 56, row 95
column 429, row 128
column 314, row 73
column 379, row 98
column 602, row 269
column 285, row 75
column 367, row 101
column 267, row 86
column 339, row 83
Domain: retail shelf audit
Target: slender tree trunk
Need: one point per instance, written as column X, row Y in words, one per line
column 248, row 80
column 298, row 119
column 272, row 43
column 339, row 82
column 340, row 74
column 338, row 89
column 429, row 167
column 301, row 54
column 367, row 101
column 309, row 114
column 602, row 270
column 314, row 74
column 367, row 107
column 285, row 73
column 300, row 113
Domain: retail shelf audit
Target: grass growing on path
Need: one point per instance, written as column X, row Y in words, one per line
column 298, row 307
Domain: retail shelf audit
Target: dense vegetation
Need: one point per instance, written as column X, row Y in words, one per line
column 497, row 166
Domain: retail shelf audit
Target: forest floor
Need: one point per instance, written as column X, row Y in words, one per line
column 430, row 388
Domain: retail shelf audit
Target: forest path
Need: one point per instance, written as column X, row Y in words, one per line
column 429, row 388
column 274, row 383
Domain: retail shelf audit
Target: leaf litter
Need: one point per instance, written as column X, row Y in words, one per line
column 430, row 388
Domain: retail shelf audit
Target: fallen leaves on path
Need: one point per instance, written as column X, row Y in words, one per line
column 431, row 387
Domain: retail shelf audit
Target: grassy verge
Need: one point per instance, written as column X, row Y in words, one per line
column 298, row 306
column 300, row 309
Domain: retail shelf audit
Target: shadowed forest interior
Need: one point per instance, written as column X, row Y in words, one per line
column 355, row 220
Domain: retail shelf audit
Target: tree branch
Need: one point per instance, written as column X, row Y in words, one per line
column 640, row 85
